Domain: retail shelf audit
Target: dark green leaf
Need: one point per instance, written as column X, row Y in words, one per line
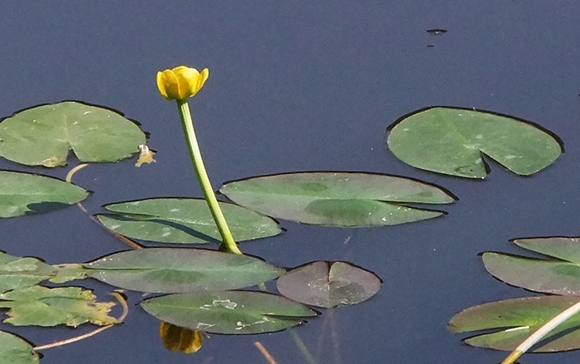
column 169, row 270
column 43, row 135
column 451, row 141
column 24, row 193
column 329, row 284
column 15, row 350
column 233, row 312
column 184, row 220
column 560, row 276
column 339, row 199
column 514, row 320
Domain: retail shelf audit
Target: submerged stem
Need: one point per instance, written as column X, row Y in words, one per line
column 203, row 178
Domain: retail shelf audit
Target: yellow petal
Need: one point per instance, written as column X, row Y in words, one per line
column 181, row 82
column 177, row 338
column 145, row 155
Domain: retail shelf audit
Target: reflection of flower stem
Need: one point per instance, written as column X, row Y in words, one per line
column 541, row 332
column 203, row 179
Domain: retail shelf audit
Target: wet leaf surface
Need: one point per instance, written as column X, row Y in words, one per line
column 452, row 140
column 337, row 198
column 231, row 312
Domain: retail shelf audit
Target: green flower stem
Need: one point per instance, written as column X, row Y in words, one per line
column 203, row 179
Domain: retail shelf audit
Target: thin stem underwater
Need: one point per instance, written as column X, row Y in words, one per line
column 202, row 177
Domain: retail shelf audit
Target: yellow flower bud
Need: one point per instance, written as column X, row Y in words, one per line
column 181, row 82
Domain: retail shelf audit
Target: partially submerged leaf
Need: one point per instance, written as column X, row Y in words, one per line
column 15, row 350
column 25, row 193
column 452, row 140
column 514, row 320
column 184, row 220
column 44, row 306
column 69, row 272
column 555, row 276
column 231, row 312
column 17, row 272
column 338, row 199
column 329, row 284
column 170, row 270
column 43, row 135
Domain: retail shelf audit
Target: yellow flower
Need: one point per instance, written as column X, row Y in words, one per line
column 181, row 82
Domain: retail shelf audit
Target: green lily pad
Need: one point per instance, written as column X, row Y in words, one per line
column 44, row 306
column 329, row 284
column 43, row 135
column 556, row 276
column 172, row 270
column 184, row 221
column 232, row 312
column 338, row 198
column 17, row 272
column 452, row 140
column 514, row 320
column 25, row 193
column 15, row 350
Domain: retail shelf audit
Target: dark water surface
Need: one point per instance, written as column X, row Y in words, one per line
column 303, row 85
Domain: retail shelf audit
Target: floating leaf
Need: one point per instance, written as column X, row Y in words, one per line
column 15, row 350
column 338, row 199
column 43, row 135
column 329, row 284
column 69, row 272
column 24, row 193
column 44, row 306
column 169, row 270
column 177, row 338
column 514, row 320
column 17, row 272
column 451, row 141
column 232, row 312
column 184, row 220
column 561, row 276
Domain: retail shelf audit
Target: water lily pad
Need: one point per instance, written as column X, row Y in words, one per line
column 16, row 350
column 184, row 221
column 171, row 270
column 513, row 320
column 43, row 135
column 17, row 272
column 329, row 284
column 338, row 198
column 556, row 276
column 232, row 312
column 25, row 193
column 452, row 140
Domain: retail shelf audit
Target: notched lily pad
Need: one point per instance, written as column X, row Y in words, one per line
column 15, row 350
column 184, row 221
column 231, row 312
column 172, row 270
column 43, row 135
column 514, row 320
column 451, row 141
column 329, row 284
column 338, row 198
column 556, row 276
column 26, row 193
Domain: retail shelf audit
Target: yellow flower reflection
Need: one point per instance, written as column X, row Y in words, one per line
column 181, row 82
column 177, row 338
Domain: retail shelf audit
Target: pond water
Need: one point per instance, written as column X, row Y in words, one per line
column 301, row 86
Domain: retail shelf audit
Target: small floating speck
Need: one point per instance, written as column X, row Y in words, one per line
column 437, row 31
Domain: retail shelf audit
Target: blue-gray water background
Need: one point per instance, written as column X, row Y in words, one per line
column 304, row 85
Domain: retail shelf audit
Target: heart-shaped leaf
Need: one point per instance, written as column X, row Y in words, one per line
column 16, row 350
column 452, row 140
column 337, row 199
column 232, row 312
column 329, row 284
column 43, row 135
column 25, row 193
column 184, row 221
column 560, row 276
column 514, row 320
column 171, row 270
